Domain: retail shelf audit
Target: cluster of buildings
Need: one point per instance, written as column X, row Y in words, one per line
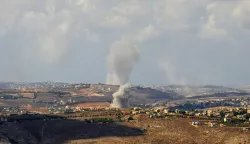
column 191, row 104
column 91, row 106
column 35, row 85
column 44, row 85
column 190, row 91
column 210, row 117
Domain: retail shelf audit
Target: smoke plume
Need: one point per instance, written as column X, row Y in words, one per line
column 121, row 60
column 121, row 97
column 170, row 72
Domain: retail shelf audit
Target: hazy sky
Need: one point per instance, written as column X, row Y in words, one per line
column 179, row 41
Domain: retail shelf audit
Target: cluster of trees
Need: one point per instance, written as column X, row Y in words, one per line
column 99, row 120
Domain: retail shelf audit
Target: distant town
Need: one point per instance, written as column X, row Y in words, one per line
column 200, row 107
column 226, row 105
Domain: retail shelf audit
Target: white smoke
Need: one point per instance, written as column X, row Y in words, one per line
column 122, row 57
column 170, row 73
column 121, row 60
column 121, row 97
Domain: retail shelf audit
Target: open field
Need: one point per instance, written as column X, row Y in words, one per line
column 176, row 131
column 93, row 105
column 78, row 115
column 143, row 130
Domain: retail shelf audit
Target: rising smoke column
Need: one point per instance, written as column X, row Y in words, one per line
column 121, row 97
column 121, row 60
column 122, row 57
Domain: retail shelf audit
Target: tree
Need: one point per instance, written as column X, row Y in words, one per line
column 222, row 114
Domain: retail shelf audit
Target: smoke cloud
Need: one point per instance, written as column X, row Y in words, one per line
column 121, row 97
column 121, row 60
column 170, row 73
column 44, row 40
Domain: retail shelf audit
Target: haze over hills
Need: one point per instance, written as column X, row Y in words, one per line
column 101, row 92
column 170, row 71
column 57, row 112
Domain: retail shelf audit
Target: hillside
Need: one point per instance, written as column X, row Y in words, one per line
column 147, row 131
column 44, row 93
